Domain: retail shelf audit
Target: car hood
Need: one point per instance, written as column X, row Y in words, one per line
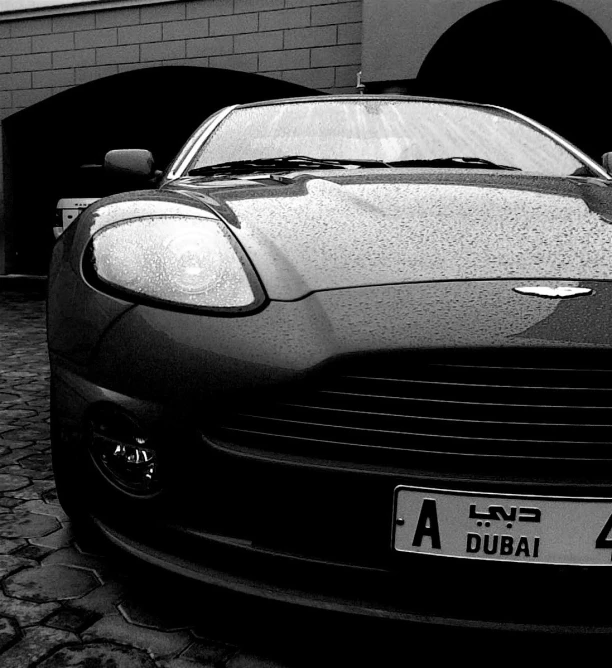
column 330, row 230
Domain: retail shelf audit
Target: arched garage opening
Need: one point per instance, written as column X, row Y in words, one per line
column 155, row 108
column 540, row 57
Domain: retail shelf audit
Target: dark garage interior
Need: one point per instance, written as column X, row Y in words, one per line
column 155, row 108
column 544, row 59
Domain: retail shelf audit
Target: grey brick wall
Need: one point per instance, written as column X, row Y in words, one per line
column 315, row 43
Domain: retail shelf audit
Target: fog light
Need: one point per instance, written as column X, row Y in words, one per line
column 125, row 457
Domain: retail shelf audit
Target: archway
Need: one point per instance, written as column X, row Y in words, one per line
column 155, row 108
column 540, row 57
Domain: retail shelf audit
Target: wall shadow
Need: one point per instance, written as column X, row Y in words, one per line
column 539, row 57
column 155, row 108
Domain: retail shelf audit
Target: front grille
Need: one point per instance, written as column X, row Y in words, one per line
column 477, row 405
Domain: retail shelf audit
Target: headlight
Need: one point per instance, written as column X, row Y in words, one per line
column 179, row 259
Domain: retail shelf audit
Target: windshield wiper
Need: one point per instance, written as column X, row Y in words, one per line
column 281, row 164
column 454, row 161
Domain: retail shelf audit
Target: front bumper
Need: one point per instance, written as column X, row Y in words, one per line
column 485, row 597
column 312, row 534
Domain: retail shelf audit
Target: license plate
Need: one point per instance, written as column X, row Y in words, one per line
column 503, row 527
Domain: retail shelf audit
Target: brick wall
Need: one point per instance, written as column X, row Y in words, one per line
column 316, row 43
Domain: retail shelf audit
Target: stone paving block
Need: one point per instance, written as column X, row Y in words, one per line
column 21, row 390
column 245, row 660
column 33, row 387
column 28, row 525
column 19, row 455
column 34, row 491
column 51, row 583
column 8, row 429
column 38, row 462
column 21, row 468
column 32, row 552
column 44, row 508
column 208, row 653
column 42, row 446
column 156, row 612
column 69, row 556
column 98, row 655
column 36, row 642
column 41, row 425
column 24, row 494
column 71, row 619
column 8, row 545
column 11, row 483
column 39, row 404
column 26, row 613
column 50, row 497
column 13, row 456
column 180, row 662
column 10, row 563
column 13, row 413
column 13, row 444
column 41, row 486
column 104, row 599
column 7, row 502
column 60, row 538
column 8, row 633
column 114, row 627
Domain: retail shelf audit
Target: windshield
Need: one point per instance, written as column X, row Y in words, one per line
column 387, row 130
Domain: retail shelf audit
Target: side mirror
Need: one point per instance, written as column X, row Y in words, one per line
column 130, row 162
column 606, row 161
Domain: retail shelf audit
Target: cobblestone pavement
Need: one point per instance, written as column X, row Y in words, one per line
column 64, row 602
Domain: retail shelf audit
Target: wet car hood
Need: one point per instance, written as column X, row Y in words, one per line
column 331, row 230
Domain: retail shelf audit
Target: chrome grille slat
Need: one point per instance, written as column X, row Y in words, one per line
column 287, row 442
column 443, row 419
column 391, row 434
column 461, row 403
column 470, row 393
column 510, row 367
column 424, row 435
column 487, row 385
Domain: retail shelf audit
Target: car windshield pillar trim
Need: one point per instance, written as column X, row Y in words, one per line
column 583, row 157
column 183, row 160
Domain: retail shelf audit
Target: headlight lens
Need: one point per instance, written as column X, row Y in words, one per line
column 179, row 259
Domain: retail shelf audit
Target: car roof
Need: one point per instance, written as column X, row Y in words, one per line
column 361, row 97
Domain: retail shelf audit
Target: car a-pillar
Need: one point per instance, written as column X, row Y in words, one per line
column 542, row 58
column 55, row 149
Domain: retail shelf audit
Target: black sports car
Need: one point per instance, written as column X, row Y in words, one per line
column 352, row 352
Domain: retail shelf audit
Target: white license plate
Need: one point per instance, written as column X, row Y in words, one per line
column 503, row 527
